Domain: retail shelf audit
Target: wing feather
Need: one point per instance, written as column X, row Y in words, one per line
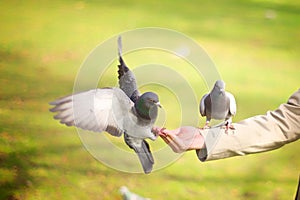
column 127, row 81
column 202, row 105
column 96, row 110
column 232, row 103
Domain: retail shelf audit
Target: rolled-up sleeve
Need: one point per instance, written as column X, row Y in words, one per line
column 256, row 134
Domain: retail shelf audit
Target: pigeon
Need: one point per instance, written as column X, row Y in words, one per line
column 127, row 82
column 110, row 109
column 127, row 195
column 219, row 105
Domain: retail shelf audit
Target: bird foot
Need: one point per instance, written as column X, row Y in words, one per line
column 231, row 127
column 227, row 127
column 206, row 126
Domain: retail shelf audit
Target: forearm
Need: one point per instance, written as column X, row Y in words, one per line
column 255, row 134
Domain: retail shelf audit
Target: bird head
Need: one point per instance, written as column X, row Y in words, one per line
column 220, row 87
column 146, row 105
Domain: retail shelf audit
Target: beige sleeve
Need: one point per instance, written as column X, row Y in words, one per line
column 256, row 134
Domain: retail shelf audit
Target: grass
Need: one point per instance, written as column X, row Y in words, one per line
column 42, row 46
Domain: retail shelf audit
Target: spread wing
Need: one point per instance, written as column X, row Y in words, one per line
column 232, row 103
column 127, row 79
column 203, row 106
column 96, row 110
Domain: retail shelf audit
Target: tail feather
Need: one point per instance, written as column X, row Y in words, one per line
column 142, row 149
column 145, row 157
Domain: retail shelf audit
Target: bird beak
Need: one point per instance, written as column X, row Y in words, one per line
column 158, row 104
column 222, row 91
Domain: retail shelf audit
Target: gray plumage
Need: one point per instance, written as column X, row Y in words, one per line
column 218, row 104
column 105, row 109
column 128, row 195
column 143, row 108
column 127, row 81
column 142, row 149
column 110, row 110
column 116, row 111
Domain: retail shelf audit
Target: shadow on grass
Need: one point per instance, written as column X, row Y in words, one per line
column 251, row 185
column 23, row 96
column 18, row 163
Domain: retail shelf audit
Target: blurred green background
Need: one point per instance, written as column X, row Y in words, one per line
column 254, row 44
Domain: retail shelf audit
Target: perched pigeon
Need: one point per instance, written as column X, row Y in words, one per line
column 111, row 110
column 127, row 83
column 127, row 195
column 219, row 105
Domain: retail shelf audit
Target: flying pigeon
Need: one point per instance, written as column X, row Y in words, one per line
column 127, row 83
column 110, row 109
column 219, row 105
column 127, row 195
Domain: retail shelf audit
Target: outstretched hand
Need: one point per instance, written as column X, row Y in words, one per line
column 182, row 139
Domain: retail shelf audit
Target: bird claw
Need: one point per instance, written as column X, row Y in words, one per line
column 227, row 127
column 206, row 127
